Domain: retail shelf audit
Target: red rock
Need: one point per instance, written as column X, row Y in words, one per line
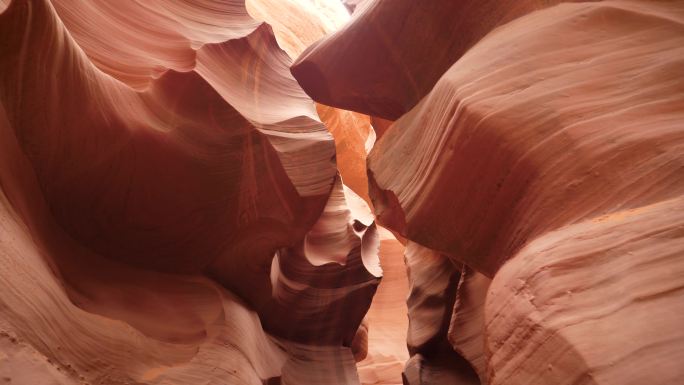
column 175, row 209
column 552, row 149
column 466, row 330
column 377, row 64
column 549, row 135
column 433, row 282
column 596, row 302
column 137, row 189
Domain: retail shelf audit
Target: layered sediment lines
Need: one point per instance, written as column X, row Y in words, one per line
column 176, row 209
column 597, row 302
column 548, row 121
column 553, row 148
column 308, row 21
column 154, row 157
column 543, row 129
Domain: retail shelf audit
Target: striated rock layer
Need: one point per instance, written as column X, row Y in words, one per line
column 307, row 21
column 554, row 148
column 175, row 209
column 466, row 329
column 572, row 124
column 597, row 302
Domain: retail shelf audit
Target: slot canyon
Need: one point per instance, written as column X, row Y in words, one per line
column 341, row 192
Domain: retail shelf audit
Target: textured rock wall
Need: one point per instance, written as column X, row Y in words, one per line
column 176, row 209
column 377, row 63
column 154, row 157
column 537, row 154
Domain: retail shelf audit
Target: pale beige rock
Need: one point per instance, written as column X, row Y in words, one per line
column 387, row 320
column 597, row 302
column 146, row 39
column 466, row 330
column 297, row 24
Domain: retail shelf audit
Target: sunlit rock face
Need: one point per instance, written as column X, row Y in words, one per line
column 387, row 320
column 308, row 21
column 182, row 200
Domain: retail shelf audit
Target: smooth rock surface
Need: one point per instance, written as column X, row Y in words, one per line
column 377, row 64
column 140, row 181
column 567, row 121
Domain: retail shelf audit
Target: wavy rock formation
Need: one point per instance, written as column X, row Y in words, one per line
column 564, row 123
column 73, row 316
column 619, row 323
column 306, row 22
column 176, row 209
column 137, row 42
column 434, row 279
column 144, row 173
column 579, row 124
column 386, row 320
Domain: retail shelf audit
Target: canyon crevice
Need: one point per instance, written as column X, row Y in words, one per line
column 263, row 192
